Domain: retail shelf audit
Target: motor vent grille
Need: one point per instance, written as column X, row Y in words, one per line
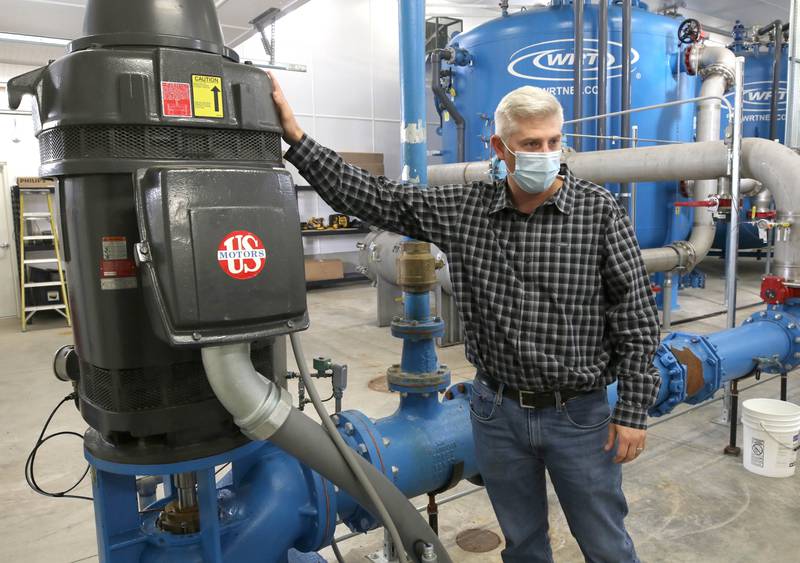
column 158, row 143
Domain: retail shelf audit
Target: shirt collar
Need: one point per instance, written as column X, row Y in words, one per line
column 563, row 198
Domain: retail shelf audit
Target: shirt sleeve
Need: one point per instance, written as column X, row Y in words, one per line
column 423, row 213
column 632, row 322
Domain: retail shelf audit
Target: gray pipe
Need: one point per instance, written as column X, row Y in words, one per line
column 444, row 99
column 259, row 407
column 749, row 187
column 762, row 201
column 459, row 173
column 664, row 163
column 602, row 72
column 577, row 64
column 776, row 81
column 715, row 65
column 767, row 162
column 625, row 90
column 251, row 399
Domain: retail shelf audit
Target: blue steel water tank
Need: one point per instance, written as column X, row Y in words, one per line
column 536, row 47
column 757, row 94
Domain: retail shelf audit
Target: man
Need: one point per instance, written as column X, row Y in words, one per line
column 556, row 305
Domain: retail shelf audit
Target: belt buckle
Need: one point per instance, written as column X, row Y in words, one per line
column 527, row 399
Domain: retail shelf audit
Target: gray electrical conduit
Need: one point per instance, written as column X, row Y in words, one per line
column 263, row 411
column 347, row 454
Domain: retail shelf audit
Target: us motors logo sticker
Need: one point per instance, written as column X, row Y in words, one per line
column 241, row 255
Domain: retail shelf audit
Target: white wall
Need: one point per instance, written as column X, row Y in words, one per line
column 18, row 147
column 349, row 99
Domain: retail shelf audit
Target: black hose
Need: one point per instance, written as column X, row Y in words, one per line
column 442, row 97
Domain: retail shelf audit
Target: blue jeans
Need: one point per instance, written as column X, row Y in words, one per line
column 515, row 445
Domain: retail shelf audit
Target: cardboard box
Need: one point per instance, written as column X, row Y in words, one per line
column 319, row 270
column 370, row 161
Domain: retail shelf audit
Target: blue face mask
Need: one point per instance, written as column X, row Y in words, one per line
column 535, row 172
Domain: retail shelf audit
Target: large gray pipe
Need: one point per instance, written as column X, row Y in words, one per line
column 691, row 161
column 715, row 65
column 459, row 173
column 262, row 410
column 772, row 164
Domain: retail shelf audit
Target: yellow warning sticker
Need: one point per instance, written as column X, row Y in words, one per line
column 207, row 96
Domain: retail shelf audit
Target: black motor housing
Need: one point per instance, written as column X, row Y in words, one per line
column 179, row 223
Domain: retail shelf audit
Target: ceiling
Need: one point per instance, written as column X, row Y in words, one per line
column 63, row 19
column 723, row 12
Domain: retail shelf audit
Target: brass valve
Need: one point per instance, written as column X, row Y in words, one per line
column 416, row 267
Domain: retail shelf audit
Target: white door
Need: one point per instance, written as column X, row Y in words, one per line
column 9, row 288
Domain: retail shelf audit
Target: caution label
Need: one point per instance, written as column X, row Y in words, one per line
column 175, row 99
column 207, row 96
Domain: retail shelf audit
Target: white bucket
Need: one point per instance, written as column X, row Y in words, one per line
column 771, row 437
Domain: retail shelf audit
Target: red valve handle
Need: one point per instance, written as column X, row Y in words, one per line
column 703, row 203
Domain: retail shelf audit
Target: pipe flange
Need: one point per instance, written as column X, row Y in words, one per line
column 675, row 379
column 786, row 315
column 689, row 56
column 430, row 382
column 687, row 254
column 417, row 330
column 366, row 440
column 722, row 70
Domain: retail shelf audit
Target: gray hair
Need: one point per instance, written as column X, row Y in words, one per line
column 524, row 103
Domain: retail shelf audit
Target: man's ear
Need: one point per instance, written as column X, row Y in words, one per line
column 498, row 146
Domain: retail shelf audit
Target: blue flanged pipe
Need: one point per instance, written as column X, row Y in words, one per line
column 412, row 83
column 419, row 370
column 693, row 367
column 423, row 447
column 269, row 502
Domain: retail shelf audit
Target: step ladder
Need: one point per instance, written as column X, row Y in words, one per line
column 26, row 219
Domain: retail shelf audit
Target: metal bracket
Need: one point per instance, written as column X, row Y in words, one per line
column 260, row 23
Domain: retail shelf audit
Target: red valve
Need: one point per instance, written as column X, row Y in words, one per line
column 774, row 290
column 693, row 203
column 655, row 288
column 764, row 214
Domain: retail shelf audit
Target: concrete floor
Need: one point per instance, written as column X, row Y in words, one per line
column 688, row 502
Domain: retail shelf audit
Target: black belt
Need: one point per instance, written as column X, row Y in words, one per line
column 530, row 399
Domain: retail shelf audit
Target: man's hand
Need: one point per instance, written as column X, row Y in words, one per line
column 292, row 133
column 631, row 442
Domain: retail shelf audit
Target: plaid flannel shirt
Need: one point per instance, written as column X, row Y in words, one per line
column 557, row 299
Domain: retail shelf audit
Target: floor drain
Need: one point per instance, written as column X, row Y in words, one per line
column 476, row 540
column 379, row 384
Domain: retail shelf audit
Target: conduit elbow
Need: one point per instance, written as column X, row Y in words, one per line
column 259, row 407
